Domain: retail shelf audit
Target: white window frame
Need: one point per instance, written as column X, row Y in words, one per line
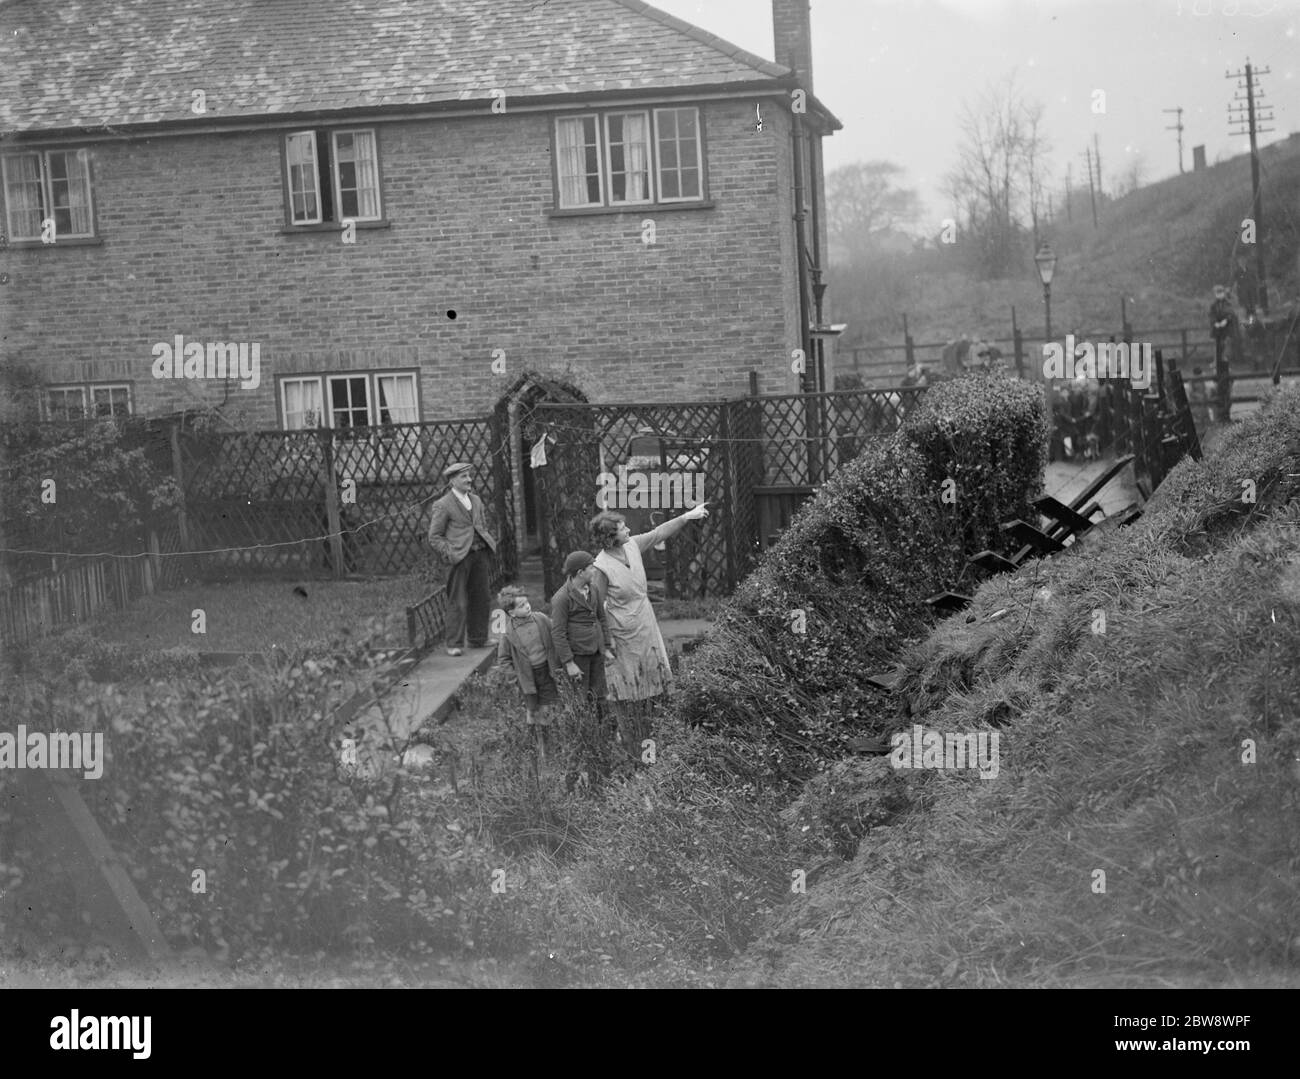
column 601, row 178
column 284, row 402
column 365, row 380
column 110, row 386
column 335, row 180
column 368, row 462
column 289, row 166
column 63, row 389
column 607, row 175
column 699, row 155
column 655, row 180
column 87, row 391
column 46, row 181
column 338, row 179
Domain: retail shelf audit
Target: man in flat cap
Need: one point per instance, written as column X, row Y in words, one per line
column 1223, row 327
column 458, row 533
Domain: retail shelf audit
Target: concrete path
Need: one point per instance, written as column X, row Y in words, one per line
column 428, row 689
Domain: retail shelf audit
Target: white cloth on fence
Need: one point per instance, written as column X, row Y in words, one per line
column 537, row 458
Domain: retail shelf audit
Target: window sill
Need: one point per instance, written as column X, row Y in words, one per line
column 71, row 241
column 639, row 209
column 335, row 227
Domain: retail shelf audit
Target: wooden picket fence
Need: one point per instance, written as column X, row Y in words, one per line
column 82, row 586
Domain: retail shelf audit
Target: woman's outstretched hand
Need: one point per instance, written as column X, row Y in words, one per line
column 695, row 513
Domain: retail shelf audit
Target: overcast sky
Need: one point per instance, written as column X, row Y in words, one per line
column 895, row 72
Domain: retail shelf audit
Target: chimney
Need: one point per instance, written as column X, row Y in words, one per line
column 792, row 38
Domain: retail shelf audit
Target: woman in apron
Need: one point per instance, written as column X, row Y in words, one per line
column 639, row 672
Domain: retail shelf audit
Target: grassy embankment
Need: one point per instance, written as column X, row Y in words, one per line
column 1127, row 751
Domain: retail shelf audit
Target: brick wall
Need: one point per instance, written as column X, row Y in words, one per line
column 192, row 245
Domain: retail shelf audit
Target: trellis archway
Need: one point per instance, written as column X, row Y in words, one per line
column 515, row 411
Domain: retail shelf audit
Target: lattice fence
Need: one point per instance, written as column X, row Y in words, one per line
column 727, row 449
column 270, row 501
column 650, row 463
column 808, row 437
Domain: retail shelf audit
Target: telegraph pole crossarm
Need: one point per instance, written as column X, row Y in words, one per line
column 1252, row 120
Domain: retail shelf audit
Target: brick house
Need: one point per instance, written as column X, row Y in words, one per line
column 364, row 214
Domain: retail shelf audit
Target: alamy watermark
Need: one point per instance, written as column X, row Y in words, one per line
column 934, row 749
column 649, row 490
column 114, row 1032
column 1106, row 359
column 217, row 359
column 77, row 750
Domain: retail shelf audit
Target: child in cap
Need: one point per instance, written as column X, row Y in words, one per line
column 529, row 647
column 581, row 640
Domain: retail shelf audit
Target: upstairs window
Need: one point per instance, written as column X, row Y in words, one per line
column 331, row 176
column 52, row 185
column 622, row 158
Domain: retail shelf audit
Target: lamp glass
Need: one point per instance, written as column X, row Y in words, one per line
column 1046, row 261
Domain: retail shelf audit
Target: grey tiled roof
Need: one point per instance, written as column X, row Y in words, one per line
column 94, row 63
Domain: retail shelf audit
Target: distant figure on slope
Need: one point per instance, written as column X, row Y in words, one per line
column 916, row 376
column 1223, row 328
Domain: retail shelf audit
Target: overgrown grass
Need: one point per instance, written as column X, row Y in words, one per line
column 227, row 799
column 1126, row 752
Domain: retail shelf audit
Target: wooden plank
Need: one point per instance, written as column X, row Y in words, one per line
column 104, row 887
column 948, row 601
column 996, row 563
column 1033, row 537
column 1066, row 518
column 1094, row 488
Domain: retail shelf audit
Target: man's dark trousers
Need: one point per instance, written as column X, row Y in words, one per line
column 469, row 599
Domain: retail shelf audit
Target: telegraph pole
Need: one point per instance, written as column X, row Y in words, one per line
column 1179, row 128
column 1069, row 209
column 1096, row 156
column 1251, row 120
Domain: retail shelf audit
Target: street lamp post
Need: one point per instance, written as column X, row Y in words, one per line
column 1046, row 262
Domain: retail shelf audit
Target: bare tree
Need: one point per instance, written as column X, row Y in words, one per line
column 998, row 179
column 1128, row 181
column 864, row 203
column 1033, row 160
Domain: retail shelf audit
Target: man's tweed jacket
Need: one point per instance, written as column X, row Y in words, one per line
column 451, row 527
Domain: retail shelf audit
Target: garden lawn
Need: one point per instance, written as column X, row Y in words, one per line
column 255, row 616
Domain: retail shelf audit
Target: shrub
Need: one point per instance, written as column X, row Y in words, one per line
column 856, row 563
column 990, row 435
column 105, row 492
column 234, row 774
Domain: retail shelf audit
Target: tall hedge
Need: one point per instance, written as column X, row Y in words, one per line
column 842, row 590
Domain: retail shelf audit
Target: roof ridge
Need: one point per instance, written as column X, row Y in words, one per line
column 767, row 67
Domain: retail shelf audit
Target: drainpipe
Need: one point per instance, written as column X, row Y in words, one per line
column 800, row 214
column 818, row 285
column 808, row 381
